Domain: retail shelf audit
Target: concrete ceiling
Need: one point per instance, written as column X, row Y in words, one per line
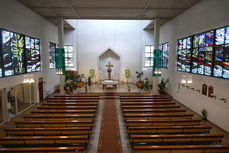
column 109, row 9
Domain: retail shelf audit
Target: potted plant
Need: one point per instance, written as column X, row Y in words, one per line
column 147, row 86
column 140, row 83
column 162, row 85
column 79, row 82
column 204, row 114
column 70, row 83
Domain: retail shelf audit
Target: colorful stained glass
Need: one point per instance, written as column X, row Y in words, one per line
column 196, row 41
column 227, row 36
column 209, row 38
column 189, row 42
column 33, row 54
column 184, row 55
column 194, row 60
column 218, row 68
column 202, row 40
column 13, row 53
column 52, row 62
column 69, row 57
column 226, row 62
column 165, row 54
column 220, row 36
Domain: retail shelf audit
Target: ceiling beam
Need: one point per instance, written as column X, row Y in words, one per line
column 73, row 9
column 120, row 8
column 145, row 7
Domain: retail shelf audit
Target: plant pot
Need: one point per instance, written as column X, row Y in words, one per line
column 71, row 93
column 139, row 84
column 147, row 91
column 79, row 84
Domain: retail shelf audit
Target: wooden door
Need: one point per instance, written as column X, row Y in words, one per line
column 40, row 84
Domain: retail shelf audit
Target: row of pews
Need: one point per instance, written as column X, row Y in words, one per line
column 61, row 124
column 155, row 124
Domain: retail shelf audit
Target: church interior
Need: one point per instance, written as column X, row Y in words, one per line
column 114, row 76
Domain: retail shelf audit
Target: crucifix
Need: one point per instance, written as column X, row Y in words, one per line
column 109, row 66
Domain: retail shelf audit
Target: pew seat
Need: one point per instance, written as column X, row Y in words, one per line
column 150, row 106
column 56, row 117
column 69, row 104
column 45, row 140
column 182, row 149
column 153, row 110
column 79, row 112
column 78, row 123
column 80, row 149
column 175, row 122
column 158, row 116
column 67, row 107
column 168, row 129
column 48, row 131
column 147, row 103
column 176, row 139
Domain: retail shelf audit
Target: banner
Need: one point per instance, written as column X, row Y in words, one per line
column 60, row 59
column 92, row 73
column 127, row 73
column 157, row 61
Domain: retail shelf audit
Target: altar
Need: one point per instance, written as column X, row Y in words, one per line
column 109, row 83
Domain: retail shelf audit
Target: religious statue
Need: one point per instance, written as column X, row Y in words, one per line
column 109, row 66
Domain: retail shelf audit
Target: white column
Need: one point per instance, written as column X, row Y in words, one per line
column 61, row 45
column 156, row 46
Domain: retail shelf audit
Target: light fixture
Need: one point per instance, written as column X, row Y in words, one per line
column 186, row 79
column 28, row 79
column 59, row 72
column 157, row 71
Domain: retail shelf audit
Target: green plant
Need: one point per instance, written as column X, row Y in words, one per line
column 146, row 84
column 139, row 75
column 69, row 86
column 204, row 114
column 162, row 85
column 11, row 110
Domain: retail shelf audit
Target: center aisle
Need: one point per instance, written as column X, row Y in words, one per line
column 109, row 139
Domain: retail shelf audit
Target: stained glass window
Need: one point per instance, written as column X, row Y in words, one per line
column 33, row 54
column 148, row 57
column 165, row 54
column 221, row 67
column 184, row 54
column 13, row 53
column 202, row 53
column 52, row 48
column 69, row 63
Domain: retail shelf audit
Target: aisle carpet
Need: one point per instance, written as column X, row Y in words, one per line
column 109, row 139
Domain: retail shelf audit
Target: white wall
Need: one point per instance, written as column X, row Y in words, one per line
column 125, row 37
column 206, row 15
column 18, row 18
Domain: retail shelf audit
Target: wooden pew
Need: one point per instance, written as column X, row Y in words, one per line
column 43, row 124
column 69, row 104
column 157, row 116
column 182, row 149
column 73, row 98
column 147, row 100
column 48, row 131
column 45, row 140
column 75, row 112
column 168, row 129
column 67, row 107
column 149, row 106
column 58, row 117
column 146, row 103
column 80, row 149
column 129, row 111
column 175, row 122
column 81, row 95
column 75, row 101
column 176, row 139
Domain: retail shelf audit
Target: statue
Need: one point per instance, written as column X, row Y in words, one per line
column 109, row 66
